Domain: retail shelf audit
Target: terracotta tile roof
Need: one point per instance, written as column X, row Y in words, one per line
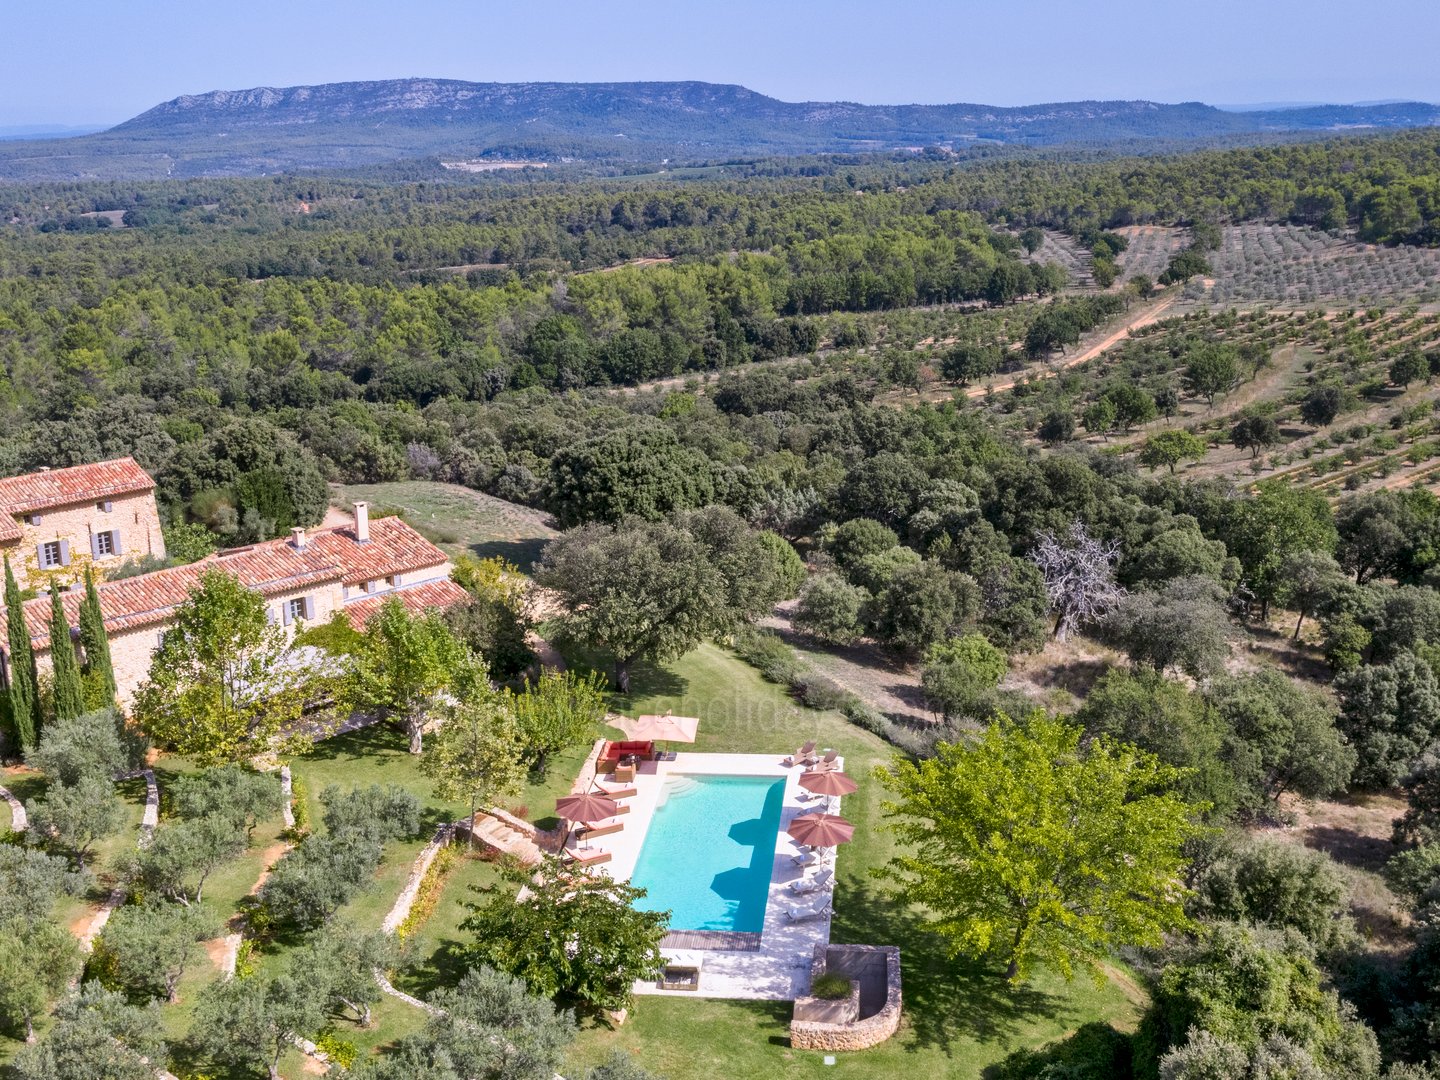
column 9, row 529
column 428, row 596
column 66, row 487
column 394, row 548
column 271, row 568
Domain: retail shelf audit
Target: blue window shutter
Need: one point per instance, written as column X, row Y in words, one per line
column 285, row 612
column 64, row 552
column 309, row 609
column 108, row 506
column 115, row 541
column 40, row 557
column 95, row 545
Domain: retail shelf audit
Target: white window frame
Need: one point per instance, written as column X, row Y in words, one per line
column 103, row 537
column 295, row 609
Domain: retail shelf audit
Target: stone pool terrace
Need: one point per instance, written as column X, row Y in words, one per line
column 779, row 968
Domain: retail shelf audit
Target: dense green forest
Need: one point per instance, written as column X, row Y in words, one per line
column 741, row 370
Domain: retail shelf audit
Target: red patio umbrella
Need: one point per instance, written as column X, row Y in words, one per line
column 587, row 807
column 821, row 830
column 828, row 784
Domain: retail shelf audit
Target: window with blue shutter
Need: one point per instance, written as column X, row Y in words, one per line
column 50, row 554
column 64, row 552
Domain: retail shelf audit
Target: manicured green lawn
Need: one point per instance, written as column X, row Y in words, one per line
column 959, row 1016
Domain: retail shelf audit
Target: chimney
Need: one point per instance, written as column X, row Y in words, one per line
column 297, row 538
column 362, row 522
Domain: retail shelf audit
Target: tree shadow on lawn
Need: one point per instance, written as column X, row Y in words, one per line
column 946, row 999
column 379, row 738
column 523, row 553
column 647, row 679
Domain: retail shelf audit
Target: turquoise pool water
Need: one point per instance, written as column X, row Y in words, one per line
column 709, row 851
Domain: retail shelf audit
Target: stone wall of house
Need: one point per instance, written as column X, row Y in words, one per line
column 130, row 651
column 133, row 516
column 871, row 967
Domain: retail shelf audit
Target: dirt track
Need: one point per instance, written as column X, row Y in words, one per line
column 1137, row 321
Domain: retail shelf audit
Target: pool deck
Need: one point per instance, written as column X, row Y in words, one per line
column 779, row 970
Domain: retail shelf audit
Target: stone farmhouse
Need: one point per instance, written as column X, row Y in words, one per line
column 54, row 522
column 304, row 578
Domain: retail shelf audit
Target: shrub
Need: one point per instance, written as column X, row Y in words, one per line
column 816, row 691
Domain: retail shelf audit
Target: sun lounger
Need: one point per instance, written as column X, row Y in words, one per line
column 619, row 793
column 590, row 858
column 592, row 831
column 799, row 913
column 802, row 756
column 826, row 764
column 823, row 880
column 806, row 857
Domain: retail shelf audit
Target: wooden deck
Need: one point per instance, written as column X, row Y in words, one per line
column 732, row 940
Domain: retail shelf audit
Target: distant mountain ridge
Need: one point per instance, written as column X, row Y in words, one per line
column 337, row 125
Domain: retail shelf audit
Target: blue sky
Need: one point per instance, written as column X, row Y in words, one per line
column 86, row 61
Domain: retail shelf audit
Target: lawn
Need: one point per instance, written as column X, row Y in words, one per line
column 959, row 1016
column 459, row 520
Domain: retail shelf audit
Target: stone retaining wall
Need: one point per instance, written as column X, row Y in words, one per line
column 867, row 966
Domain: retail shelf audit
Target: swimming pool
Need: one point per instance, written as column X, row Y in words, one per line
column 710, row 850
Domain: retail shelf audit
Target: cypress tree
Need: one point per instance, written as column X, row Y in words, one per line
column 24, row 682
column 69, row 695
column 99, row 668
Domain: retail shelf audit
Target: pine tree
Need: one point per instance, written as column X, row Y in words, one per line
column 69, row 695
column 99, row 668
column 24, row 682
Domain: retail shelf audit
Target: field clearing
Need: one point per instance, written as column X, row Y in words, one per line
column 458, row 519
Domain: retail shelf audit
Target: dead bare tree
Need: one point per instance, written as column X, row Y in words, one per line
column 1079, row 577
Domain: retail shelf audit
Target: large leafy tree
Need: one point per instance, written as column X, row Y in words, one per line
column 146, row 948
column 73, row 817
column 1171, row 447
column 25, row 716
column 31, row 881
column 95, row 744
column 476, row 755
column 1282, row 738
column 219, row 689
column 182, row 855
column 1264, row 530
column 1181, row 624
column 640, row 591
column 406, row 663
column 37, row 961
column 1244, row 987
column 558, row 710
column 960, row 674
column 574, row 935
column 1391, row 714
column 489, row 1027
column 1160, row 715
column 643, row 471
column 97, row 1033
column 251, row 1022
column 1033, row 849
